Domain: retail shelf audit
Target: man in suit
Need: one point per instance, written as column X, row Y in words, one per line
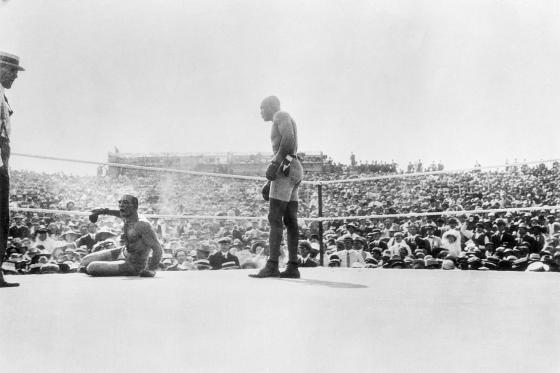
column 88, row 239
column 222, row 256
column 9, row 68
column 434, row 242
column 376, row 241
column 18, row 229
column 414, row 241
column 523, row 236
column 502, row 237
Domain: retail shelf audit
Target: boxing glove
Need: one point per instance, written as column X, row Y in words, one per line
column 271, row 171
column 266, row 191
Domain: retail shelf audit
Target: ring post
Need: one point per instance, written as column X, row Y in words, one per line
column 320, row 205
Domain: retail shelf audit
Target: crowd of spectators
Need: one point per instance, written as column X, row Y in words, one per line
column 56, row 242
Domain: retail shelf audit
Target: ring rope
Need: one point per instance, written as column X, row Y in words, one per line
column 318, row 219
column 435, row 213
column 305, row 182
column 146, row 168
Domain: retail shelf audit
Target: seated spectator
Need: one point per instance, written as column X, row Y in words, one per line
column 18, row 229
column 347, row 255
column 43, row 240
column 88, row 239
column 399, row 243
column 223, row 255
column 307, row 256
column 182, row 262
column 452, row 242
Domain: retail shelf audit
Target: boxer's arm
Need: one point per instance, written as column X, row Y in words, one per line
column 116, row 213
column 286, row 130
column 149, row 238
column 95, row 214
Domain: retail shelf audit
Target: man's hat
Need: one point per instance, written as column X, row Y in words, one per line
column 230, row 265
column 360, row 239
column 537, row 267
column 202, row 264
column 447, row 264
column 347, row 237
column 103, row 234
column 224, row 240
column 10, row 60
column 69, row 231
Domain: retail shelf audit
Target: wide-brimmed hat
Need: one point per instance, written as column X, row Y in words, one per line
column 10, row 60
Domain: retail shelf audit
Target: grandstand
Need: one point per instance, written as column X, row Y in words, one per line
column 233, row 163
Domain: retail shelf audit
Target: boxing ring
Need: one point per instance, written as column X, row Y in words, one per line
column 330, row 320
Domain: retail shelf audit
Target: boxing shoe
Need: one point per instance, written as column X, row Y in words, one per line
column 147, row 273
column 291, row 271
column 4, row 284
column 269, row 270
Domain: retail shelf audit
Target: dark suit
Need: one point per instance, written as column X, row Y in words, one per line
column 217, row 259
column 505, row 239
column 87, row 241
column 18, row 232
column 417, row 242
column 378, row 243
column 480, row 239
column 530, row 241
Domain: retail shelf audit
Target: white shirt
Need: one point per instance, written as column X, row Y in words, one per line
column 395, row 249
column 48, row 244
column 349, row 257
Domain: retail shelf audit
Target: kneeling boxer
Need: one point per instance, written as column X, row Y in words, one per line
column 139, row 239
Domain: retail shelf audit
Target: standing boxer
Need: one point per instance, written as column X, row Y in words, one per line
column 284, row 174
column 9, row 68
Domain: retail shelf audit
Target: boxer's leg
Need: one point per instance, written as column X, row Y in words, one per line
column 280, row 192
column 291, row 223
column 275, row 215
column 113, row 268
column 103, row 255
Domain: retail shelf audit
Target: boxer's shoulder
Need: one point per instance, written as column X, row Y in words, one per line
column 281, row 116
column 142, row 225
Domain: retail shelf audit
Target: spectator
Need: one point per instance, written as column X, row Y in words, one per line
column 18, row 229
column 219, row 258
column 88, row 239
column 43, row 240
column 399, row 243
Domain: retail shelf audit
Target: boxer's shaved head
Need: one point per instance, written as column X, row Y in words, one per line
column 130, row 199
column 269, row 107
